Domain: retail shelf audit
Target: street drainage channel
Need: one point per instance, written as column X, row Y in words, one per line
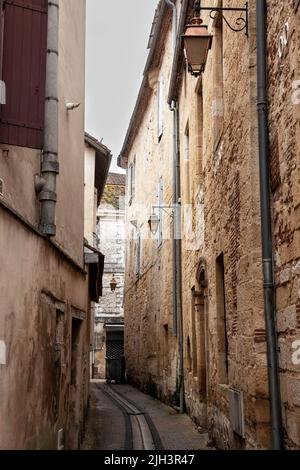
column 140, row 431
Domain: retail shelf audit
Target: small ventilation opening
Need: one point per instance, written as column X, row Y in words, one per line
column 1, row 187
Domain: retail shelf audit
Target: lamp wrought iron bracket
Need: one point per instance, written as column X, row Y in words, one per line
column 242, row 22
column 165, row 209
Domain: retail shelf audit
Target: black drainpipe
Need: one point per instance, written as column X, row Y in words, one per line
column 266, row 221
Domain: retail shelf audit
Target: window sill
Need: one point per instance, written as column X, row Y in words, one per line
column 224, row 387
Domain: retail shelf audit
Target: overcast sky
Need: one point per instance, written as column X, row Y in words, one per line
column 117, row 38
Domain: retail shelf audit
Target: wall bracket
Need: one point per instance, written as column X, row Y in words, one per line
column 241, row 23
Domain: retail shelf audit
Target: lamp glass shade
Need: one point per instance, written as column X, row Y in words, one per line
column 113, row 284
column 197, row 43
column 153, row 223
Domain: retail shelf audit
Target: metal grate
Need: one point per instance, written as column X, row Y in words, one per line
column 236, row 405
column 114, row 349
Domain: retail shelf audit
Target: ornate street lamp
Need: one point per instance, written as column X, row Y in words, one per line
column 153, row 223
column 113, row 284
column 197, row 43
column 196, row 40
column 154, row 220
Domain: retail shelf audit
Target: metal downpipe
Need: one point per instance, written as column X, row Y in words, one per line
column 266, row 220
column 176, row 243
column 50, row 165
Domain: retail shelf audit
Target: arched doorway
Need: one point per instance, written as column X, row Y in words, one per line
column 199, row 328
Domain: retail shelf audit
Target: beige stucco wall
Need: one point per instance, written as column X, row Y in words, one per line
column 17, row 170
column 35, row 382
column 18, row 167
column 44, row 385
column 71, row 124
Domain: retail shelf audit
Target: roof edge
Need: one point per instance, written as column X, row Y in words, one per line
column 179, row 54
column 96, row 144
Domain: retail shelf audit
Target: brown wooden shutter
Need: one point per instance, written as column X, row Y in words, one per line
column 24, row 72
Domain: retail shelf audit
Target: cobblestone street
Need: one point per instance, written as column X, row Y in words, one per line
column 107, row 425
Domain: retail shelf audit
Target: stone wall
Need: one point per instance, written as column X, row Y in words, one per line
column 223, row 172
column 43, row 371
column 223, row 309
column 150, row 346
column 284, row 76
column 111, row 236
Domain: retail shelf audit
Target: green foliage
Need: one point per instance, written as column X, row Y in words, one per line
column 112, row 195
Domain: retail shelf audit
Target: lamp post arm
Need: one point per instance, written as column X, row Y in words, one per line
column 242, row 22
column 164, row 208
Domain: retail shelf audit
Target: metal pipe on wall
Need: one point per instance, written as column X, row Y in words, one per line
column 177, row 264
column 266, row 221
column 50, row 165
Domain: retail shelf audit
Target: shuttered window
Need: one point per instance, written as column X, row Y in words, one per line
column 160, row 104
column 24, row 72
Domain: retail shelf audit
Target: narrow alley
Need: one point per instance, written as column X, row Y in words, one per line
column 123, row 418
column 149, row 227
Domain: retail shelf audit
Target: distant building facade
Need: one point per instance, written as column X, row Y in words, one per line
column 111, row 242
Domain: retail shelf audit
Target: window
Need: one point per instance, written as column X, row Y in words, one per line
column 130, row 254
column 187, row 165
column 59, row 330
column 166, row 347
column 160, row 198
column 76, row 354
column 2, row 353
column 131, row 181
column 139, row 255
column 199, row 325
column 194, row 335
column 221, row 321
column 199, row 128
column 23, row 72
column 189, row 355
column 160, row 103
